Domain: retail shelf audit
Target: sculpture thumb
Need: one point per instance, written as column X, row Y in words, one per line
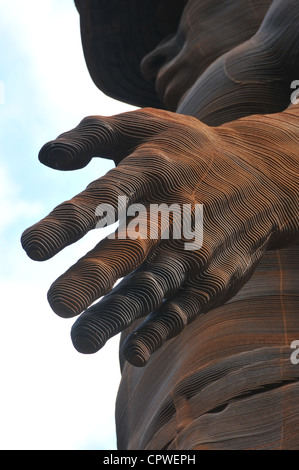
column 112, row 137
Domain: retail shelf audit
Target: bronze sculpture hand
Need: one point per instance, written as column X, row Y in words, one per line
column 230, row 64
column 249, row 206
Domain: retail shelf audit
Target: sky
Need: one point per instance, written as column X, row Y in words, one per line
column 51, row 396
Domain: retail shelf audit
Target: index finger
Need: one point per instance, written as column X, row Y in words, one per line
column 71, row 220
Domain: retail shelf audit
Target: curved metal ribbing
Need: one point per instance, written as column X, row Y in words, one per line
column 249, row 204
column 226, row 379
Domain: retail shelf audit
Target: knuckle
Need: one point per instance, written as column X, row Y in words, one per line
column 97, row 127
column 89, row 121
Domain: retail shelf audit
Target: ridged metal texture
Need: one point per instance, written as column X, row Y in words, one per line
column 212, row 326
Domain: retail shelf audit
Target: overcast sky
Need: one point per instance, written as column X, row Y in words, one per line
column 52, row 397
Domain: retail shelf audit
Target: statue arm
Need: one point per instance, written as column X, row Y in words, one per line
column 254, row 77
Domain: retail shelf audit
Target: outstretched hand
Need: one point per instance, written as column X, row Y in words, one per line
column 162, row 158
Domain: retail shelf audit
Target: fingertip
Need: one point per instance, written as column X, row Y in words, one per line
column 84, row 345
column 34, row 253
column 65, row 297
column 84, row 339
column 136, row 351
column 160, row 326
column 62, row 308
column 63, row 155
column 35, row 246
